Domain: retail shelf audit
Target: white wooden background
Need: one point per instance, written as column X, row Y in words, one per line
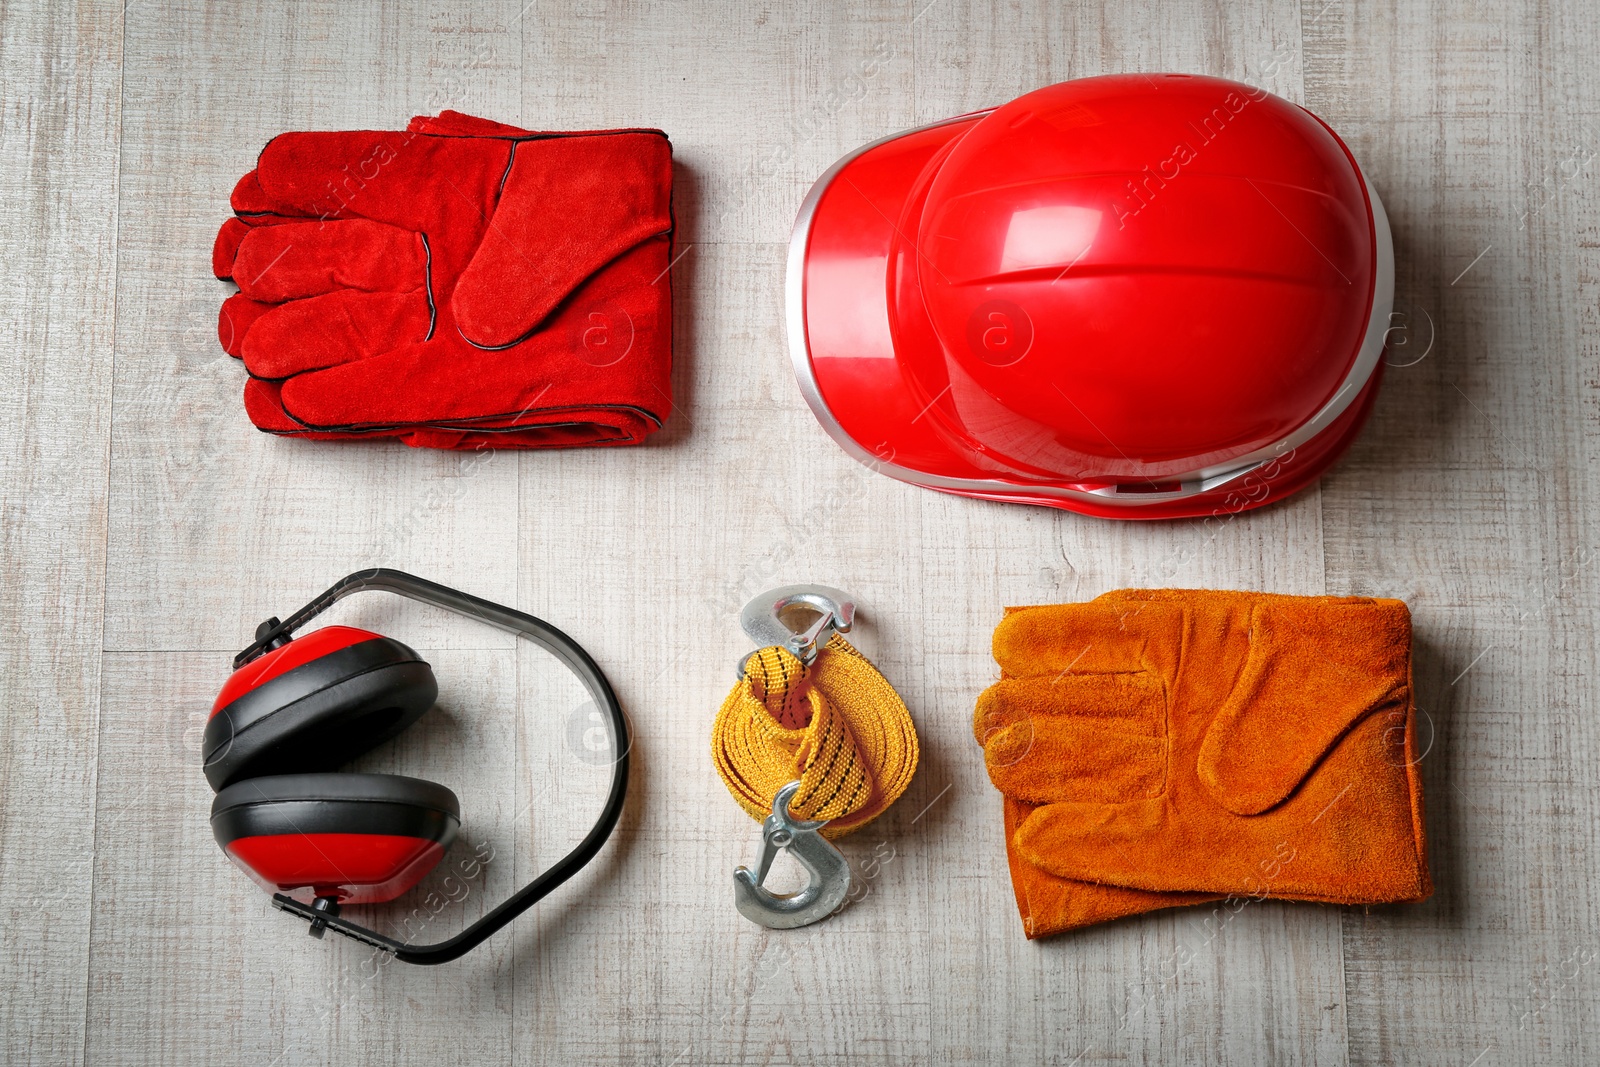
column 146, row 528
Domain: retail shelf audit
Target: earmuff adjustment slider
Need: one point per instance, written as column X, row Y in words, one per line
column 328, row 906
column 270, row 634
column 323, row 915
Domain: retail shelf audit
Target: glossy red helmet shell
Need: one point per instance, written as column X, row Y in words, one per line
column 1132, row 296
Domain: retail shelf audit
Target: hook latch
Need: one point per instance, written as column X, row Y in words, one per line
column 828, row 872
column 800, row 618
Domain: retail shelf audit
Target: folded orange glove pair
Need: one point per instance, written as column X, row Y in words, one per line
column 1157, row 748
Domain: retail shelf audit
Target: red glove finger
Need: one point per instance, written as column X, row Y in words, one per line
column 533, row 255
column 580, row 359
column 239, row 315
column 455, row 124
column 251, row 203
column 325, row 331
column 277, row 263
column 442, row 186
column 584, row 426
column 262, row 404
column 418, row 384
column 226, row 247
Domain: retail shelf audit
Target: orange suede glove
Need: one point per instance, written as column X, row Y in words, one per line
column 1168, row 747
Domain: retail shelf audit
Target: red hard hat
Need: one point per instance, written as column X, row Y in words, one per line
column 1132, row 296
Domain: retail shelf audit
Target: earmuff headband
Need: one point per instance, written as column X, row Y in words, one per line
column 324, row 914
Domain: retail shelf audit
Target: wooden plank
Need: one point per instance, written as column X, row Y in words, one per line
column 59, row 113
column 1472, row 495
column 729, row 503
column 676, row 549
column 1264, row 986
column 758, row 100
column 190, row 963
column 215, row 526
column 211, row 518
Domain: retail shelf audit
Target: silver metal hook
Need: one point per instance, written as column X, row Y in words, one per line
column 801, row 618
column 829, row 872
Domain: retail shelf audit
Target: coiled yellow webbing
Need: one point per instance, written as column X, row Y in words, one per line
column 838, row 726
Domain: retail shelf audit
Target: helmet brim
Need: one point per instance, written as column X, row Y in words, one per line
column 840, row 335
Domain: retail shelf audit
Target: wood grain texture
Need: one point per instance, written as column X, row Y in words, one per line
column 60, row 67
column 147, row 528
column 1483, row 143
column 1261, row 987
column 189, row 961
column 208, row 520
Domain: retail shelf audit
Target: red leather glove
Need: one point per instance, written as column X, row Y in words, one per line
column 460, row 284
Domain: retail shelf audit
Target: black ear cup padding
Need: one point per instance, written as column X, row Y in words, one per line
column 320, row 714
column 308, row 804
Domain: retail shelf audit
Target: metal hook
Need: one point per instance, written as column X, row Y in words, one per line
column 829, row 871
column 767, row 619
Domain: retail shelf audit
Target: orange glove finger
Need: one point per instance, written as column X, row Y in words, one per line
column 1131, row 702
column 1091, row 839
column 1050, row 903
column 1045, row 762
column 1082, row 737
column 1098, row 637
column 325, row 331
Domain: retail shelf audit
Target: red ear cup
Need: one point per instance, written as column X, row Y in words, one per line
column 362, row 838
column 314, row 703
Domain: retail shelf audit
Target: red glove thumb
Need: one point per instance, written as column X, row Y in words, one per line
column 559, row 193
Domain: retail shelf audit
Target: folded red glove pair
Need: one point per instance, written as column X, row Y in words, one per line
column 461, row 284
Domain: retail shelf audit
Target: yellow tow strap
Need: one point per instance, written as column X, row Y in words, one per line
column 838, row 726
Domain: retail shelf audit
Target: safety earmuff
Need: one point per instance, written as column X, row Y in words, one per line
column 295, row 708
